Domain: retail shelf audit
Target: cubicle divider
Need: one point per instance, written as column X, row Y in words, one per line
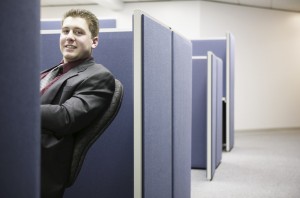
column 153, row 99
column 224, row 48
column 216, row 45
column 55, row 24
column 199, row 112
column 157, row 110
column 108, row 167
column 159, row 106
column 19, row 100
column 182, row 116
column 50, row 52
column 214, row 114
column 207, row 113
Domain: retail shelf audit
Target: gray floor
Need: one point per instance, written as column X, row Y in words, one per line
column 262, row 164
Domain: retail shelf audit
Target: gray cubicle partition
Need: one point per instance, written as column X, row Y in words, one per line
column 223, row 48
column 50, row 52
column 19, row 100
column 207, row 113
column 182, row 116
column 199, row 112
column 52, row 24
column 108, row 167
column 214, row 114
column 158, row 149
column 155, row 97
column 217, row 46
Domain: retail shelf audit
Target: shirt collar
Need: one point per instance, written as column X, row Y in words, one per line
column 68, row 66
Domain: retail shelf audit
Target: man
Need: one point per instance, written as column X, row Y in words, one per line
column 72, row 99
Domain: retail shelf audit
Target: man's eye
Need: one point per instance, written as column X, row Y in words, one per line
column 65, row 31
column 78, row 32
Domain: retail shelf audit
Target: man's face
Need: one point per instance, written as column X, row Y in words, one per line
column 76, row 41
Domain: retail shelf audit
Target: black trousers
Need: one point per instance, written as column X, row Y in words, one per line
column 56, row 156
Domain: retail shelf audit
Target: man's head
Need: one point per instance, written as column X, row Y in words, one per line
column 79, row 34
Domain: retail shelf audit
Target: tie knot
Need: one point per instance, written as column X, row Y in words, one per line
column 50, row 76
column 59, row 69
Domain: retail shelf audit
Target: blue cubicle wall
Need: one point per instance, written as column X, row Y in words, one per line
column 199, row 113
column 162, row 95
column 109, row 164
column 182, row 116
column 219, row 83
column 108, row 168
column 224, row 48
column 216, row 109
column 19, row 101
column 215, row 45
column 56, row 24
column 157, row 110
column 207, row 113
column 212, row 122
column 50, row 52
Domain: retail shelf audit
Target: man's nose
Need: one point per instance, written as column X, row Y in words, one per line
column 70, row 36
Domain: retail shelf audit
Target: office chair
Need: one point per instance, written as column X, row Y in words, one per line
column 85, row 139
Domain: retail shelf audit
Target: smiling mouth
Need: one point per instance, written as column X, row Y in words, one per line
column 70, row 47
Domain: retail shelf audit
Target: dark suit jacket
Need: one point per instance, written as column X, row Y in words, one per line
column 68, row 106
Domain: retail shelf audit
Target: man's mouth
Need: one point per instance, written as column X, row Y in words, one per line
column 70, row 46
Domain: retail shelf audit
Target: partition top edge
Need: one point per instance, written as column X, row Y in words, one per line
column 179, row 34
column 199, row 57
column 210, row 38
column 140, row 13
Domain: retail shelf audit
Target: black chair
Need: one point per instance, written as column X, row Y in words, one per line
column 85, row 139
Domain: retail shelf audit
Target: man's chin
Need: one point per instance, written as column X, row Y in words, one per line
column 70, row 58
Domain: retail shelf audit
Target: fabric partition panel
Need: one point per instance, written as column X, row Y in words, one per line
column 19, row 101
column 199, row 111
column 109, row 162
column 182, row 116
column 108, row 168
column 50, row 52
column 157, row 110
column 230, row 90
column 211, row 117
column 214, row 114
column 215, row 45
column 224, row 49
column 207, row 113
column 56, row 24
column 219, row 111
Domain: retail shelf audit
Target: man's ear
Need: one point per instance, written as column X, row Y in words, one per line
column 95, row 42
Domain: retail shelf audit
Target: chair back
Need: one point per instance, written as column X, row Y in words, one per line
column 85, row 139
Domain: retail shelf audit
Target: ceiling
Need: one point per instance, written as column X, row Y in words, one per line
column 285, row 5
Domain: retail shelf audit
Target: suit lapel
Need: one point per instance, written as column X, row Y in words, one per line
column 51, row 92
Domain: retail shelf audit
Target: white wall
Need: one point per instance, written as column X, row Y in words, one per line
column 267, row 77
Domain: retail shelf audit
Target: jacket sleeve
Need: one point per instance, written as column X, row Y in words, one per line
column 90, row 98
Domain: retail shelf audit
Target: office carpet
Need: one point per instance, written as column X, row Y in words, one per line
column 262, row 164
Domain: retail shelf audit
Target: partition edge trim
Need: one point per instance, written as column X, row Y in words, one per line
column 227, row 92
column 209, row 118
column 137, row 104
